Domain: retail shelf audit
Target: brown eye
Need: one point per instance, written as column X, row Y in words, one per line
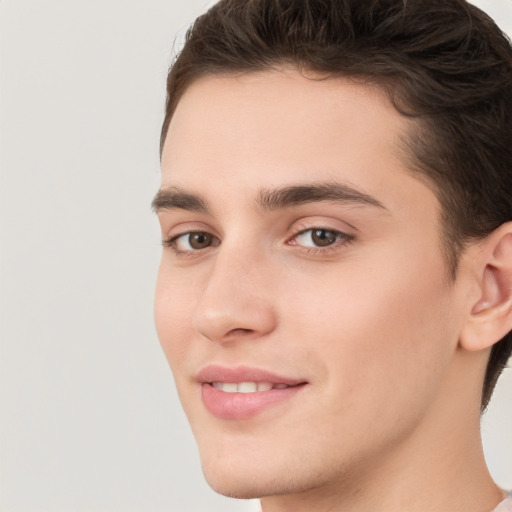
column 192, row 241
column 320, row 238
column 200, row 240
column 323, row 237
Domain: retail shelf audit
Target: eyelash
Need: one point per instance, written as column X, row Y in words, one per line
column 342, row 240
column 173, row 245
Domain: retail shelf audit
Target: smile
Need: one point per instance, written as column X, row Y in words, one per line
column 241, row 393
column 246, row 387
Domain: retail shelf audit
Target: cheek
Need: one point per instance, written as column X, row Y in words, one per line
column 173, row 307
column 377, row 327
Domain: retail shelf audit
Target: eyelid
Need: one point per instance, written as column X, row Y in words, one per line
column 173, row 228
column 345, row 236
column 172, row 241
column 309, row 224
column 177, row 230
column 299, row 228
column 321, row 222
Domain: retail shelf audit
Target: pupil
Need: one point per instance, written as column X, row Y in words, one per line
column 323, row 237
column 200, row 240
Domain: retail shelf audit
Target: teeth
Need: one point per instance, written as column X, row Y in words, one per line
column 246, row 387
column 229, row 387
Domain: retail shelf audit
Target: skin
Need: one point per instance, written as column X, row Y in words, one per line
column 371, row 322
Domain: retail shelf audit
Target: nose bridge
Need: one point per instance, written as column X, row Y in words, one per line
column 235, row 299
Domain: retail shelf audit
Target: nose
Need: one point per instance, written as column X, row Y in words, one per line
column 236, row 301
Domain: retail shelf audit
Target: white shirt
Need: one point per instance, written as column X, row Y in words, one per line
column 505, row 505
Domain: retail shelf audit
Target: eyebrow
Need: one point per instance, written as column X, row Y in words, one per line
column 173, row 198
column 310, row 193
column 271, row 199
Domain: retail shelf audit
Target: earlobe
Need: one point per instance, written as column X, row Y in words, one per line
column 491, row 315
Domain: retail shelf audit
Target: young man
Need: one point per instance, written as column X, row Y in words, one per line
column 335, row 291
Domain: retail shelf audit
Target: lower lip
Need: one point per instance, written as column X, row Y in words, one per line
column 243, row 406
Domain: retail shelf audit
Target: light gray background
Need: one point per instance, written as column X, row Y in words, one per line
column 89, row 419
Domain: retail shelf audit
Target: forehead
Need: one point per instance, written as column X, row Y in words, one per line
column 271, row 128
column 281, row 100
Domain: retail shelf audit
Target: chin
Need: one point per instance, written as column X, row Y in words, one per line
column 235, row 489
column 232, row 478
column 253, row 480
column 248, row 488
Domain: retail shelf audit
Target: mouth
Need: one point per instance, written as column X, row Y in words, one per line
column 241, row 393
column 247, row 387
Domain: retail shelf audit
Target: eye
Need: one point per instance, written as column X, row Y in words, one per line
column 319, row 237
column 193, row 241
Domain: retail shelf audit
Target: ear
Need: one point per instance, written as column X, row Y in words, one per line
column 491, row 314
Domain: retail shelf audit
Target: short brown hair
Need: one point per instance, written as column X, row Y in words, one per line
column 444, row 62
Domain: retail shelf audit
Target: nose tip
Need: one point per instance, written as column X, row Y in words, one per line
column 235, row 302
column 230, row 319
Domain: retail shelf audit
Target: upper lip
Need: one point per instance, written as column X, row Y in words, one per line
column 217, row 373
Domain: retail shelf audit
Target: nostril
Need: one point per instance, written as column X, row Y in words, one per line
column 239, row 332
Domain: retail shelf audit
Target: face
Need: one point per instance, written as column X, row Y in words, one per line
column 302, row 294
